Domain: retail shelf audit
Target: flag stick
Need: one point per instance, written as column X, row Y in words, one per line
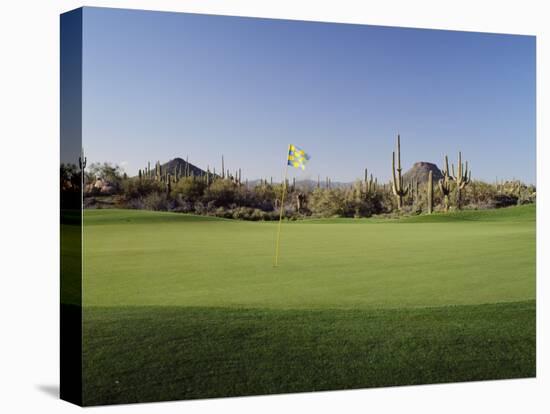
column 276, row 262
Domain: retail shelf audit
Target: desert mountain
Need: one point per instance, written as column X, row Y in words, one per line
column 180, row 165
column 420, row 171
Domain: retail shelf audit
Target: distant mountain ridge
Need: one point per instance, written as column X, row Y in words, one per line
column 418, row 172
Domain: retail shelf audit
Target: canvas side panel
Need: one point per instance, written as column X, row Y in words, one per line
column 71, row 175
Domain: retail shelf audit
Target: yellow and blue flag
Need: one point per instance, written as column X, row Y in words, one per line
column 297, row 157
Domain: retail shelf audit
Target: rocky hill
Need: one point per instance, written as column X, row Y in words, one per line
column 181, row 166
column 420, row 171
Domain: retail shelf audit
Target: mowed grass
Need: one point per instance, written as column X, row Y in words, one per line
column 140, row 258
column 182, row 306
column 138, row 354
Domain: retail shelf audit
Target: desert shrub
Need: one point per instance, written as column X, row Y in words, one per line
column 327, row 202
column 188, row 189
column 477, row 193
column 221, row 193
column 183, row 206
column 135, row 203
column 257, row 215
column 110, row 173
column 527, row 195
column 482, row 195
column 241, row 213
column 354, row 206
column 244, row 213
column 419, row 201
column 387, row 201
column 504, row 200
column 222, row 212
column 200, row 208
column 156, row 201
column 133, row 188
column 261, row 197
column 265, row 215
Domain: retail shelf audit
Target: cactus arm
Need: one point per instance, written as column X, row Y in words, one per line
column 394, row 187
column 430, row 192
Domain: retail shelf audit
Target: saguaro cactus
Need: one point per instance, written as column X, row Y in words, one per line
column 370, row 183
column 462, row 178
column 82, row 161
column 300, row 199
column 397, row 184
column 430, row 192
column 445, row 184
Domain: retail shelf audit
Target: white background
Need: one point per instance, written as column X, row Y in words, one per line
column 29, row 239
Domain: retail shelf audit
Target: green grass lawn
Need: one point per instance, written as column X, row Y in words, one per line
column 179, row 306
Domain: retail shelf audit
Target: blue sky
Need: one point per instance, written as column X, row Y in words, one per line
column 160, row 85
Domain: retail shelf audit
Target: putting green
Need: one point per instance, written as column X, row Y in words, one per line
column 141, row 258
column 183, row 306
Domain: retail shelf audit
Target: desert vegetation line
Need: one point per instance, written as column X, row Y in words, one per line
column 180, row 186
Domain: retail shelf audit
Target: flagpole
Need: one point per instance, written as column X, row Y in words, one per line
column 276, row 262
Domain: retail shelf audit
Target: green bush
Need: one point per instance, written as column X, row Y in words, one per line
column 133, row 188
column 221, row 193
column 260, row 197
column 188, row 189
column 327, row 202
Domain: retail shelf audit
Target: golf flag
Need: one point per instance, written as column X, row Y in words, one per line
column 297, row 157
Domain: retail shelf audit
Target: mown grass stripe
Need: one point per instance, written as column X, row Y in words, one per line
column 139, row 354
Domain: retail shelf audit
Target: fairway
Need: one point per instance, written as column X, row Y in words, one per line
column 202, row 311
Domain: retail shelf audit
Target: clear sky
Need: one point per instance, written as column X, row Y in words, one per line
column 162, row 85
